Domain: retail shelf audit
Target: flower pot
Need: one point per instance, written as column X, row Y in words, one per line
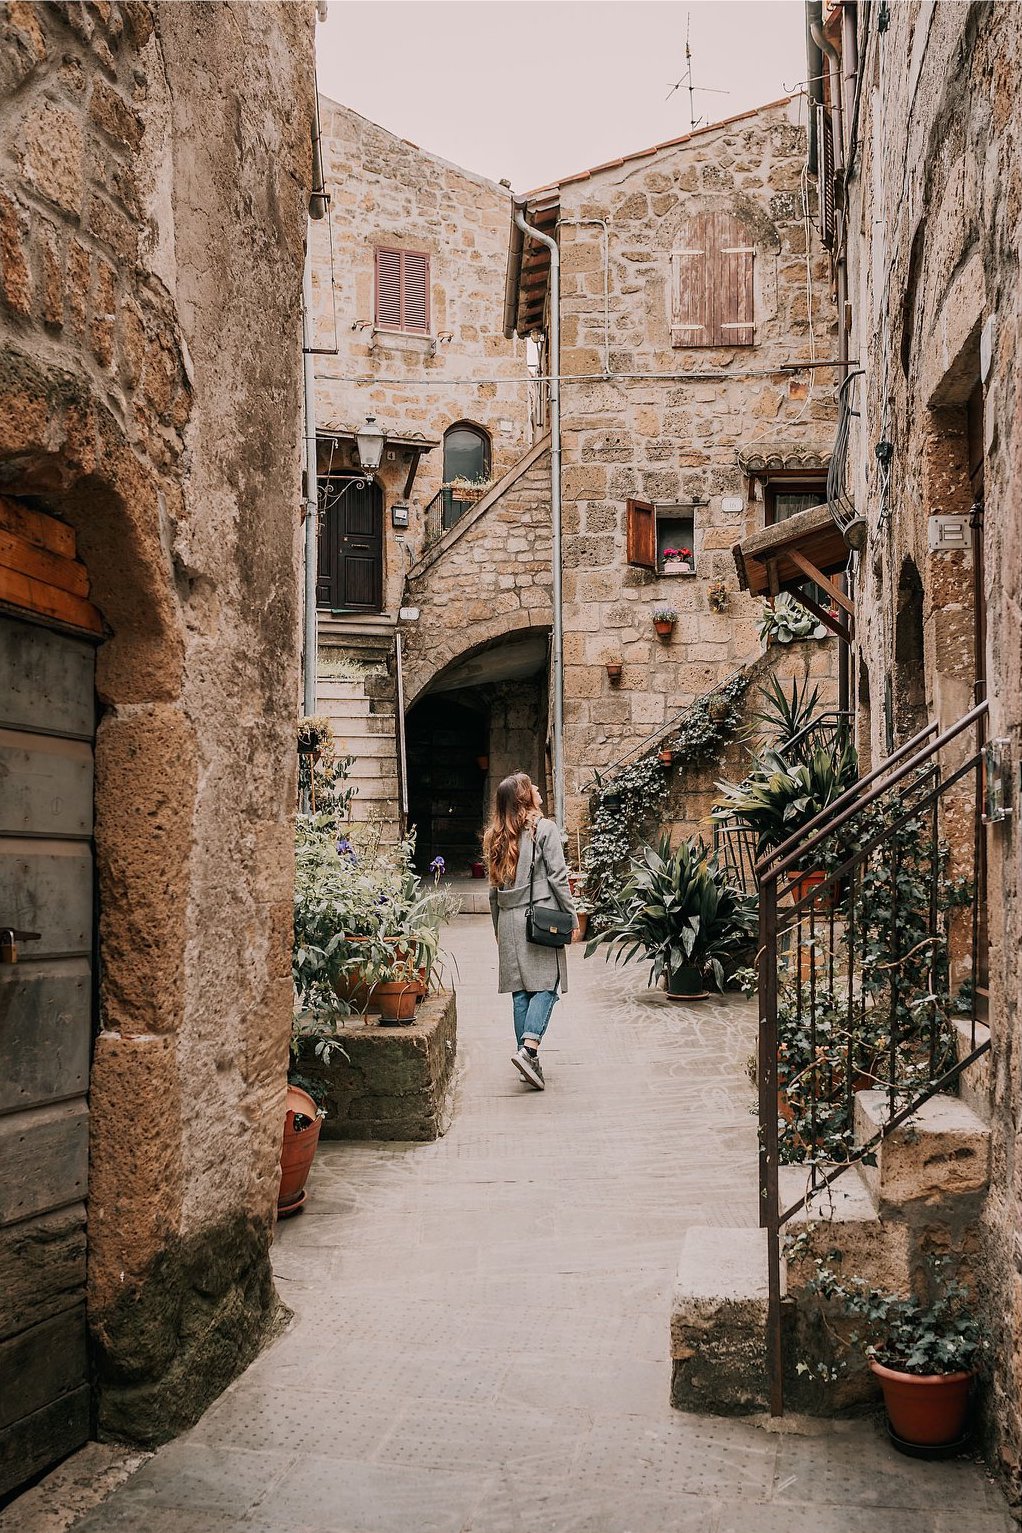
column 686, row 984
column 297, row 1151
column 583, row 925
column 397, row 1001
column 802, row 885
column 666, row 758
column 483, row 763
column 478, row 870
column 614, row 669
column 663, row 629
column 928, row 1410
column 354, row 989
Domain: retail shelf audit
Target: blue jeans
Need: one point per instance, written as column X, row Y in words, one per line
column 532, row 1013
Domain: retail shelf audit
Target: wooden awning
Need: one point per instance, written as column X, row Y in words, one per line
column 805, row 547
column 528, row 268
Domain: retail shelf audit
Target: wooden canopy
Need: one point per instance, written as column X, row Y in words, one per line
column 806, row 546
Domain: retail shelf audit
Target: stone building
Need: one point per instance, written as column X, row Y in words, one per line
column 408, row 281
column 684, row 425
column 153, row 205
column 924, row 136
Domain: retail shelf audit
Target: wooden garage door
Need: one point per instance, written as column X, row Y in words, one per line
column 47, row 726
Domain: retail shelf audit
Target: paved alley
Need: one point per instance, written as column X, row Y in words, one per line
column 480, row 1334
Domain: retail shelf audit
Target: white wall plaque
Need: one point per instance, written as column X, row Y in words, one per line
column 732, row 505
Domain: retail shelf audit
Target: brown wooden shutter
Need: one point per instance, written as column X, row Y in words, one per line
column 733, row 284
column 690, row 307
column 640, row 542
column 388, row 289
column 415, row 286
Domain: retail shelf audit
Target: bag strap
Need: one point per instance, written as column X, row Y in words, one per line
column 532, row 870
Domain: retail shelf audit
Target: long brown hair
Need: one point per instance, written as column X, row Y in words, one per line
column 511, row 809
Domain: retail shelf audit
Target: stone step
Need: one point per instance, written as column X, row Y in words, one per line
column 975, row 1083
column 362, row 747
column 941, row 1153
column 369, row 768
column 373, row 790
column 331, row 691
column 718, row 1322
column 843, row 1217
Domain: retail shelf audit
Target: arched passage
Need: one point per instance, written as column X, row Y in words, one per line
column 482, row 717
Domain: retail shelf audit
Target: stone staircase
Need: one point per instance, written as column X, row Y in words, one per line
column 363, row 713
column 922, row 1197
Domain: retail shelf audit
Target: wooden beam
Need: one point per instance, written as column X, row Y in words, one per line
column 16, row 553
column 412, row 467
column 808, row 568
column 772, row 580
column 827, row 618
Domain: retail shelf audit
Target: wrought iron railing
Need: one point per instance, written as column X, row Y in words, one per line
column 444, row 511
column 839, row 500
column 869, row 953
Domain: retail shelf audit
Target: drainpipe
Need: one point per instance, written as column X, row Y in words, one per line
column 318, row 203
column 554, row 370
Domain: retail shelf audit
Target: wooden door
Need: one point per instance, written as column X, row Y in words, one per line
column 47, row 725
column 350, row 575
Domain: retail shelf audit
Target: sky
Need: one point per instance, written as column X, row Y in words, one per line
column 534, row 90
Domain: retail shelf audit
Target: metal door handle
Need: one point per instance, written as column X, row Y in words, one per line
column 10, row 936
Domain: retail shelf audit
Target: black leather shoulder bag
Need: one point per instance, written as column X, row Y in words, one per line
column 546, row 925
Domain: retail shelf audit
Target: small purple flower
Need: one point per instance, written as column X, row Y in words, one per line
column 345, row 849
column 437, row 866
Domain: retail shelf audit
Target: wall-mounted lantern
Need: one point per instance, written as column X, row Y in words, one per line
column 369, row 440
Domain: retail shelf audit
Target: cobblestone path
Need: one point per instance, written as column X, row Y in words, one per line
column 480, row 1340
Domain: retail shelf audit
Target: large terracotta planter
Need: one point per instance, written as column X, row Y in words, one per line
column 928, row 1410
column 802, row 885
column 397, row 1002
column 297, row 1151
column 583, row 925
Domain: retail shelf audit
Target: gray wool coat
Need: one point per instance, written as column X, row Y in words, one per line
column 524, row 965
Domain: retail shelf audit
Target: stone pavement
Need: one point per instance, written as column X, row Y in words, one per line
column 480, row 1342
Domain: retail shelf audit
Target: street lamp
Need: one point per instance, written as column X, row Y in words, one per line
column 369, row 440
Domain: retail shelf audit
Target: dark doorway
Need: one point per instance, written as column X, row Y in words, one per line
column 909, row 668
column 447, row 745
column 350, row 573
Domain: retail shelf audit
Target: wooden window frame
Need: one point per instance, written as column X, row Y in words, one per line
column 791, row 482
column 402, row 328
column 642, row 540
column 713, row 284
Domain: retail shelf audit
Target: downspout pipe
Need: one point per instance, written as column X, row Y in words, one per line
column 554, row 369
column 318, row 204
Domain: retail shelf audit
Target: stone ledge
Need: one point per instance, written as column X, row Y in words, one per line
column 396, row 1080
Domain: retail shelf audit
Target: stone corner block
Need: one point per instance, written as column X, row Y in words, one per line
column 941, row 1152
column 718, row 1323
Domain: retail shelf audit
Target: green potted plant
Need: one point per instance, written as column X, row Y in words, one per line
column 784, row 619
column 778, row 798
column 925, row 1352
column 678, row 910
column 664, row 619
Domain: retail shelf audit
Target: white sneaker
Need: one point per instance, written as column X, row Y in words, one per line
column 530, row 1068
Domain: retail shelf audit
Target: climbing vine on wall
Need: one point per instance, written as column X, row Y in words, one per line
column 629, row 808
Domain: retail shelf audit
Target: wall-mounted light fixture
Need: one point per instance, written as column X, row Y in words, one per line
column 369, row 440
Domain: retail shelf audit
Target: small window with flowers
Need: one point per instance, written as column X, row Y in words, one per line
column 662, row 538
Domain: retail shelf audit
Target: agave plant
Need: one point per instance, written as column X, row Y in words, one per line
column 784, row 718
column 784, row 619
column 678, row 910
column 779, row 797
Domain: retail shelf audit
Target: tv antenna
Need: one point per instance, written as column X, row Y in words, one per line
column 686, row 79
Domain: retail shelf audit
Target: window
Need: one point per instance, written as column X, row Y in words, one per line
column 712, row 286
column 402, row 290
column 653, row 530
column 466, row 453
column 787, row 497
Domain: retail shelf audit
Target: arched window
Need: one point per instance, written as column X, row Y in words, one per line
column 466, row 454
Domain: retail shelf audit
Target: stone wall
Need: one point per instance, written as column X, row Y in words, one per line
column 386, row 191
column 152, row 222
column 671, row 439
column 935, row 283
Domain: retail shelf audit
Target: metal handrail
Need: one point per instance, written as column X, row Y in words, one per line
column 839, row 502
column 664, row 729
column 813, row 941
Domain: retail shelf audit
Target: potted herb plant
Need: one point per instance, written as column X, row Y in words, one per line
column 678, row 910
column 664, row 619
column 925, row 1352
column 665, row 756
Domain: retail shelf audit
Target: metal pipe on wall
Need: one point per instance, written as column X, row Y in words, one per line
column 557, row 636
column 311, row 645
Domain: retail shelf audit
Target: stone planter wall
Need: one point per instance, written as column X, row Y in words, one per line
column 396, row 1080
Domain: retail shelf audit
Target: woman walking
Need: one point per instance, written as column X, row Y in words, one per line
column 520, row 845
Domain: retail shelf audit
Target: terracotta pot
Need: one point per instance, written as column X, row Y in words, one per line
column 397, row 1001
column 666, row 758
column 478, row 870
column 583, row 924
column 803, row 884
column 614, row 669
column 297, row 1151
column 483, row 763
column 926, row 1409
column 664, row 630
column 686, row 984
